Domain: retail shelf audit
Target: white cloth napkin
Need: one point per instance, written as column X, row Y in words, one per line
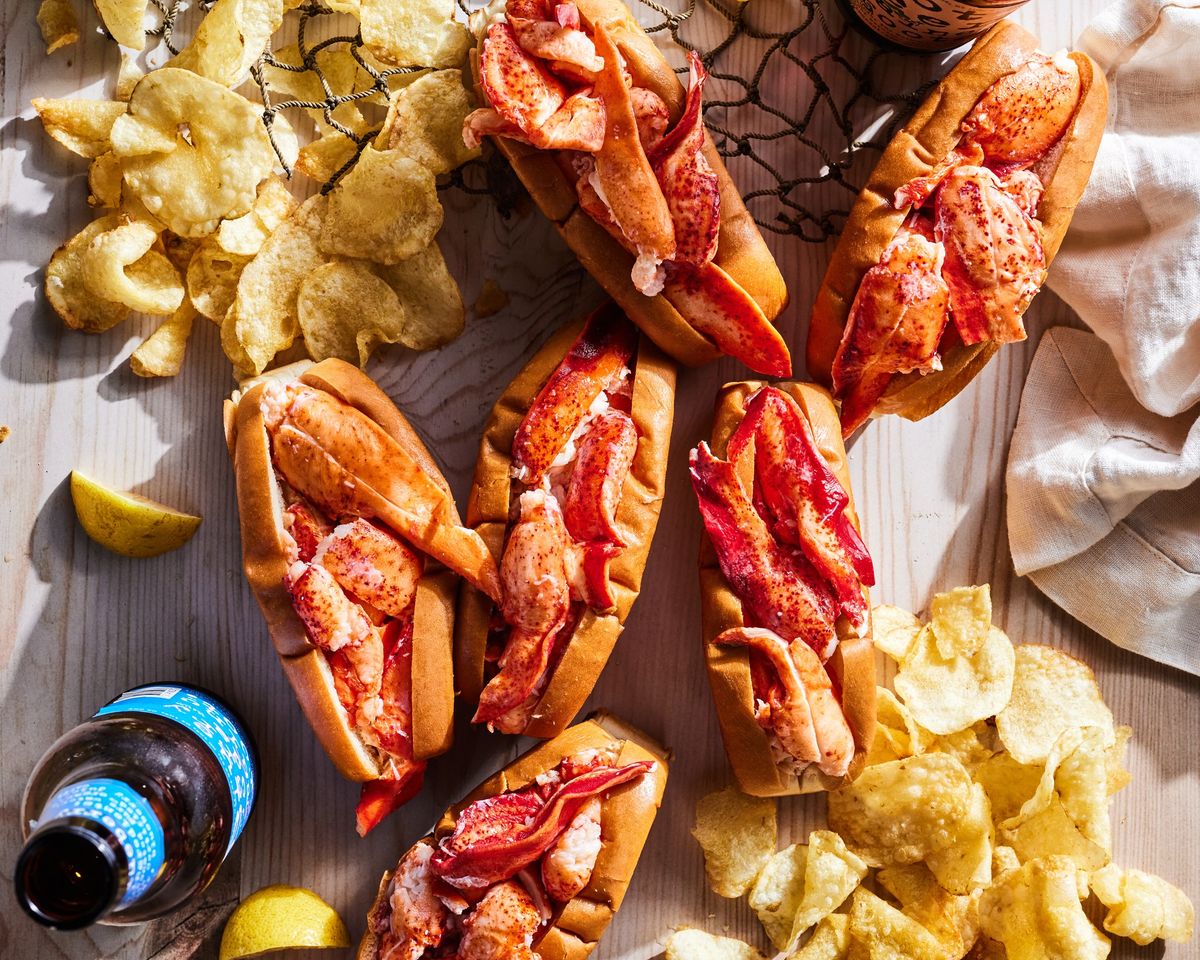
column 1103, row 499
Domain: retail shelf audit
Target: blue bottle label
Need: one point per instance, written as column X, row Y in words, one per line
column 128, row 815
column 211, row 721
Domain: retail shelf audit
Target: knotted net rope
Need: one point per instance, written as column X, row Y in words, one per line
column 803, row 160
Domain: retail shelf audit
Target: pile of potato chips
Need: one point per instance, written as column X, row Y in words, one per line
column 978, row 829
column 196, row 219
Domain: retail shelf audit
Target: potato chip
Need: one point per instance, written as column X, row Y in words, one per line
column 830, row 940
column 263, row 319
column 161, row 353
column 893, row 630
column 421, row 34
column 698, row 945
column 777, row 893
column 179, row 250
column 119, row 265
column 1004, row 859
column 123, row 19
column 230, row 38
column 1142, row 907
column 737, row 834
column 385, row 209
column 1117, row 777
column 1036, row 912
column 831, row 872
column 961, row 620
column 82, row 126
column 878, row 931
column 430, row 297
column 1050, row 832
column 246, row 234
column 128, row 75
column 79, row 308
column 425, row 122
column 344, row 74
column 949, row 695
column 104, row 181
column 324, row 157
column 971, row 746
column 58, row 23
column 897, row 734
column 1052, row 692
column 966, row 864
column 951, row 919
column 193, row 152
column 899, row 812
column 212, row 279
column 346, row 310
column 1008, row 784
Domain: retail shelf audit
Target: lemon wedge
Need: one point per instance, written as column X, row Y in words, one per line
column 127, row 524
column 280, row 917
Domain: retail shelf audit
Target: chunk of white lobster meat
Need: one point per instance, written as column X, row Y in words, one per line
column 567, row 866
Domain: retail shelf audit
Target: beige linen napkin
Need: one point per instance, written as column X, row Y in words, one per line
column 1103, row 499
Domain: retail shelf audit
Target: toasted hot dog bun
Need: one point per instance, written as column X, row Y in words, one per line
column 627, row 813
column 264, row 560
column 924, row 141
column 852, row 665
column 741, row 250
column 488, row 512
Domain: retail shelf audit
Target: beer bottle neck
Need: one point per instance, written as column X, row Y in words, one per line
column 97, row 847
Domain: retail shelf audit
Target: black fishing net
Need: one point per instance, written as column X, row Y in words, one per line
column 799, row 130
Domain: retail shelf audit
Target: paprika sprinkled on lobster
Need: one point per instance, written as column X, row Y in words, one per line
column 555, row 80
column 970, row 257
column 776, row 517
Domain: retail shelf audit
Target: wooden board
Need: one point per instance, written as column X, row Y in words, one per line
column 78, row 625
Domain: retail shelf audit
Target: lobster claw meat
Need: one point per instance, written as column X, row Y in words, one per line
column 776, row 582
column 602, row 463
column 602, row 352
column 307, row 529
column 803, row 499
column 553, row 33
column 719, row 309
column 590, row 581
column 801, row 708
column 477, row 854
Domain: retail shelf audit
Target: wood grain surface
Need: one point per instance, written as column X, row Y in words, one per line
column 78, row 625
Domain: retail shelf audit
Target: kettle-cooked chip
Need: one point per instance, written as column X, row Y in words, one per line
column 425, row 121
column 124, row 20
column 161, row 353
column 961, row 620
column 1036, row 912
column 1052, row 692
column 698, row 945
column 900, row 812
column 212, row 279
column 246, row 234
column 82, row 126
column 341, row 70
column 263, row 319
column 897, row 734
column 830, row 940
column 737, row 834
column 421, row 33
column 79, row 308
column 193, row 151
column 128, row 75
column 1142, row 907
column 58, row 23
column 972, row 746
column 893, row 630
column 320, row 159
column 831, row 873
column 104, row 181
column 965, row 865
column 878, row 931
column 230, row 38
column 431, row 298
column 1008, row 784
column 949, row 695
column 119, row 265
column 385, row 209
column 1050, row 832
column 346, row 311
column 777, row 893
column 950, row 918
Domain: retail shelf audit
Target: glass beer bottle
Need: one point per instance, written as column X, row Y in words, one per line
column 927, row 26
column 132, row 812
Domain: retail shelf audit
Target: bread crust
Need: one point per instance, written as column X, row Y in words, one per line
column 627, row 814
column 264, row 561
column 741, row 250
column 927, row 138
column 488, row 511
column 853, row 662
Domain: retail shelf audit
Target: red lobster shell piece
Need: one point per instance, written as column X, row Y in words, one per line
column 778, row 585
column 495, row 838
column 803, row 500
column 605, row 347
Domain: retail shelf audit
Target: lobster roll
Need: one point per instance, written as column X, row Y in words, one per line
column 600, row 131
column 783, row 582
column 353, row 546
column 567, row 490
column 955, row 231
column 535, row 862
